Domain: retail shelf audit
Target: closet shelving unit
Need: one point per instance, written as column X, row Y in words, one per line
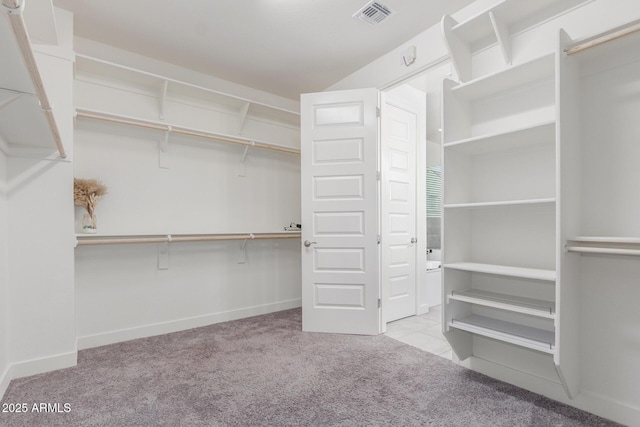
column 494, row 26
column 500, row 151
column 171, row 105
column 527, row 189
column 118, row 95
column 27, row 123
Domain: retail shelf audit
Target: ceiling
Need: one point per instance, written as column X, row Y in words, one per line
column 285, row 47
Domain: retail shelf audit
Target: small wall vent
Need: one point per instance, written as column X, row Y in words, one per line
column 374, row 13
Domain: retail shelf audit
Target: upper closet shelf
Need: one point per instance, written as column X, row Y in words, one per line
column 27, row 123
column 525, row 74
column 495, row 25
column 165, row 88
column 166, row 127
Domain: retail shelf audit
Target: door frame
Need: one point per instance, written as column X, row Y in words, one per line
column 416, row 103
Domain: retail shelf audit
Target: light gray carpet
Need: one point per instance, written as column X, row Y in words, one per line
column 265, row 371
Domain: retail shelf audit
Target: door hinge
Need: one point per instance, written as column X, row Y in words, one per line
column 379, row 303
column 379, row 237
column 377, row 111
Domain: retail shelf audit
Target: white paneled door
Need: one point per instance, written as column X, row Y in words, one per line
column 340, row 251
column 398, row 146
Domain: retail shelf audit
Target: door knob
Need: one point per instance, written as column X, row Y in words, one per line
column 308, row 243
column 414, row 240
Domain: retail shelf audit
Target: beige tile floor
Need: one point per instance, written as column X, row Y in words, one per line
column 423, row 332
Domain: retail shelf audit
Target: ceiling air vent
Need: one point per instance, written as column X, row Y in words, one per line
column 373, row 13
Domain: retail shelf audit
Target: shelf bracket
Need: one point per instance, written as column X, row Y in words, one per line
column 242, row 255
column 242, row 117
column 163, row 254
column 502, row 35
column 163, row 98
column 163, row 149
column 242, row 166
column 8, row 101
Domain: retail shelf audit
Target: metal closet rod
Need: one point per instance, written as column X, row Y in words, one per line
column 604, row 38
column 601, row 250
column 113, row 118
column 171, row 238
column 14, row 9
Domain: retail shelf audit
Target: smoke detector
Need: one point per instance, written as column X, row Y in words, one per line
column 374, row 12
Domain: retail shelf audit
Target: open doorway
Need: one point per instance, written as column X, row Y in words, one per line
column 422, row 326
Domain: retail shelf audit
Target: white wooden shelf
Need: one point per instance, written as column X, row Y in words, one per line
column 513, row 333
column 27, row 124
column 166, row 88
column 163, row 126
column 499, row 141
column 503, row 270
column 525, row 74
column 505, row 203
column 530, row 306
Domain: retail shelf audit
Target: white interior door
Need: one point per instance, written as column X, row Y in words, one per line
column 340, row 251
column 399, row 140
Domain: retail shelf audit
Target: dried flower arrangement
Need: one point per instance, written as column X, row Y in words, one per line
column 87, row 193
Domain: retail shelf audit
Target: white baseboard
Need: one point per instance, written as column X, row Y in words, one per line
column 45, row 364
column 615, row 410
column 36, row 366
column 5, row 379
column 97, row 340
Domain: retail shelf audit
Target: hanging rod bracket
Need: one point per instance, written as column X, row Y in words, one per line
column 163, row 254
column 14, row 10
column 163, row 152
column 242, row 255
column 242, row 166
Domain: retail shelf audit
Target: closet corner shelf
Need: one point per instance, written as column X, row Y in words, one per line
column 533, row 307
column 524, row 336
column 524, row 202
column 529, row 135
column 503, row 270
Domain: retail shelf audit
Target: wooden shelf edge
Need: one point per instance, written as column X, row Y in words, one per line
column 523, row 202
column 501, row 270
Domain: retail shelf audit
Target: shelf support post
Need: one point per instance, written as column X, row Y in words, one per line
column 242, row 117
column 163, row 98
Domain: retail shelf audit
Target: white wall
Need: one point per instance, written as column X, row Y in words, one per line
column 40, row 239
column 121, row 294
column 4, row 231
column 605, row 390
